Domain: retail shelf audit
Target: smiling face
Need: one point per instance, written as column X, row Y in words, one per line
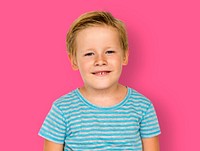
column 99, row 57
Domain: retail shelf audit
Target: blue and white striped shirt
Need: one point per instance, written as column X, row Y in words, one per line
column 80, row 125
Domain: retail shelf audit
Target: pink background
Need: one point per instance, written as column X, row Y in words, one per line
column 163, row 64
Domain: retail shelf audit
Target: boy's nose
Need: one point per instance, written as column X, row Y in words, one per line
column 100, row 61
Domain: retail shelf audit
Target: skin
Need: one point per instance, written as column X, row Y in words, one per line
column 51, row 146
column 151, row 144
column 99, row 59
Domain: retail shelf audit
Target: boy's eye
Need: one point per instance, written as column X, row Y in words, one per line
column 110, row 52
column 89, row 54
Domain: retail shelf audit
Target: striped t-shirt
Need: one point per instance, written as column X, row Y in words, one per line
column 80, row 125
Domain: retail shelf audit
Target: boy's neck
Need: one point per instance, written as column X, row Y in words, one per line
column 106, row 97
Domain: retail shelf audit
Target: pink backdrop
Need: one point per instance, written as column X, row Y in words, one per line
column 163, row 64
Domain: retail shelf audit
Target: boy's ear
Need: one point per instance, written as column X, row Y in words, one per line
column 125, row 59
column 73, row 62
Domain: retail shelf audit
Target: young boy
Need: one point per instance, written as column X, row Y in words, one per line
column 102, row 114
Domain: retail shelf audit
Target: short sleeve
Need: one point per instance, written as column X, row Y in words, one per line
column 54, row 126
column 149, row 126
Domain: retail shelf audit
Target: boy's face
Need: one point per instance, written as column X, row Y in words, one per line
column 99, row 57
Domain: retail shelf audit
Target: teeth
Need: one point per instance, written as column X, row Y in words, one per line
column 101, row 73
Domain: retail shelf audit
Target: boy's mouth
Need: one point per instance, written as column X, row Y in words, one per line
column 101, row 73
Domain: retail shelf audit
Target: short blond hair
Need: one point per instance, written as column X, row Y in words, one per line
column 91, row 19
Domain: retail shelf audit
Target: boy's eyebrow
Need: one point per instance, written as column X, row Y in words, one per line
column 88, row 49
column 92, row 49
column 82, row 51
column 111, row 47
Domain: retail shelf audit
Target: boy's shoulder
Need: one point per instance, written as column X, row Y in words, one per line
column 138, row 98
column 67, row 99
column 138, row 102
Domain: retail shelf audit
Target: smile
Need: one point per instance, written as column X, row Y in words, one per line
column 101, row 73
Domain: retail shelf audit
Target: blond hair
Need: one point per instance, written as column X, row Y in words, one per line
column 91, row 19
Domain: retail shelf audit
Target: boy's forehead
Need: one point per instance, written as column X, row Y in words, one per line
column 97, row 37
column 97, row 32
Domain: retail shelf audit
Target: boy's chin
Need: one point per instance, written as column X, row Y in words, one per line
column 101, row 86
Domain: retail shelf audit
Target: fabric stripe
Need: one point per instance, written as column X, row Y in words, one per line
column 80, row 125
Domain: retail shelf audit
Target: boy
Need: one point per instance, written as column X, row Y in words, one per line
column 102, row 114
